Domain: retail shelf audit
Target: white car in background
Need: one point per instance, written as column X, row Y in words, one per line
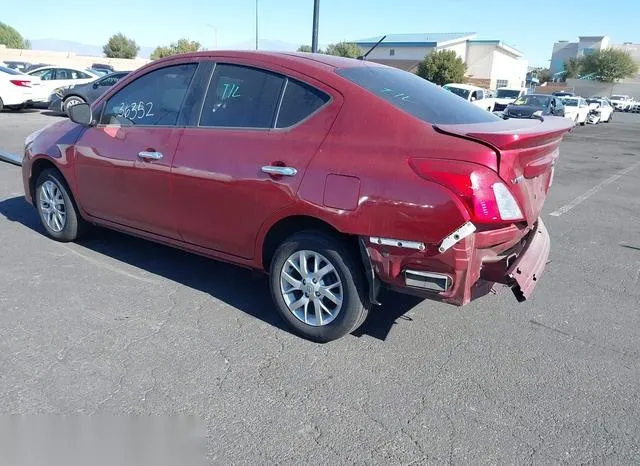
column 576, row 109
column 604, row 109
column 17, row 89
column 54, row 77
column 476, row 95
column 507, row 95
column 620, row 102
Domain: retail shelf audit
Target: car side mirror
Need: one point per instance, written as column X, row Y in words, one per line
column 473, row 99
column 81, row 114
column 95, row 85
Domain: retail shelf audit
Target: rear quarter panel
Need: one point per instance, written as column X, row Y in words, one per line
column 372, row 142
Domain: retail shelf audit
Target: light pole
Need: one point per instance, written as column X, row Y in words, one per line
column 314, row 37
column 256, row 24
column 215, row 34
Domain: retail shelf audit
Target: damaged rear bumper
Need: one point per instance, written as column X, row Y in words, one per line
column 515, row 256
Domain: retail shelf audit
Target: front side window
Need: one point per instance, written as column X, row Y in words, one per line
column 154, row 99
column 241, row 97
column 299, row 101
column 416, row 96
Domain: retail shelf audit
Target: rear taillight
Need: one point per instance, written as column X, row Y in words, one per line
column 485, row 195
column 20, row 82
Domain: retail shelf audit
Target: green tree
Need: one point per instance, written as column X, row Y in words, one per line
column 120, row 46
column 609, row 65
column 572, row 68
column 344, row 49
column 175, row 48
column 442, row 67
column 12, row 38
column 544, row 75
column 304, row 48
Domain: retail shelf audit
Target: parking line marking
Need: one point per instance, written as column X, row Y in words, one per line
column 104, row 265
column 580, row 199
column 11, row 158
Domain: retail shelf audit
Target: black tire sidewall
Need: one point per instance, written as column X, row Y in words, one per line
column 71, row 228
column 354, row 303
column 65, row 102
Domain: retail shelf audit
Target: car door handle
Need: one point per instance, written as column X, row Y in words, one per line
column 150, row 155
column 282, row 171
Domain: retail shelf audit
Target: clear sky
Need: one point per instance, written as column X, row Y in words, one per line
column 532, row 26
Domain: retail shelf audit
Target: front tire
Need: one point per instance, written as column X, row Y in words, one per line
column 70, row 102
column 318, row 286
column 57, row 210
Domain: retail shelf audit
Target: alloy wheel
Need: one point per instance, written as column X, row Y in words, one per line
column 52, row 206
column 311, row 288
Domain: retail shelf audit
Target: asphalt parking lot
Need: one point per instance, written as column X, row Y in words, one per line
column 119, row 325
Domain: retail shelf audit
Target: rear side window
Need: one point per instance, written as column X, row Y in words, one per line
column 416, row 96
column 241, row 97
column 154, row 99
column 299, row 101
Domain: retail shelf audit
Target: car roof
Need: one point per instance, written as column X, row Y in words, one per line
column 63, row 67
column 313, row 60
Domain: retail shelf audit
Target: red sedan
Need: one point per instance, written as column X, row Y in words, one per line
column 335, row 176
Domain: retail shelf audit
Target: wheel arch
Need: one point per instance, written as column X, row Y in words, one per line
column 286, row 226
column 38, row 166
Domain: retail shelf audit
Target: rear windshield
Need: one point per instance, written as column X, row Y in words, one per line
column 4, row 69
column 416, row 96
column 508, row 93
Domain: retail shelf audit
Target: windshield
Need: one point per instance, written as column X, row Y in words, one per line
column 507, row 93
column 416, row 96
column 464, row 93
column 618, row 97
column 533, row 100
column 593, row 101
column 4, row 69
column 570, row 102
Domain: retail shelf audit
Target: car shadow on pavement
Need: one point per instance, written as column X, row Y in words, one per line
column 240, row 288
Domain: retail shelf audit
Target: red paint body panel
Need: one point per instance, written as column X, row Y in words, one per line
column 114, row 184
column 341, row 192
column 209, row 195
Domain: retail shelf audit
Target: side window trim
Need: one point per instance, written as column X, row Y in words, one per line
column 274, row 125
column 103, row 103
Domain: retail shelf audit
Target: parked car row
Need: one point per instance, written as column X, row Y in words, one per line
column 57, row 87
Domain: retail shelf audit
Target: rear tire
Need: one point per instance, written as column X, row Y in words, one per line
column 610, row 117
column 1, row 104
column 17, row 108
column 56, row 208
column 291, row 285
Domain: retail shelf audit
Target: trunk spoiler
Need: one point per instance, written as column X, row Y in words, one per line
column 512, row 133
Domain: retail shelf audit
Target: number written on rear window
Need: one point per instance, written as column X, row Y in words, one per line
column 154, row 99
column 299, row 101
column 241, row 97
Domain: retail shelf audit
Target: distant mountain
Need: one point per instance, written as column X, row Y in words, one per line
column 79, row 48
column 56, row 45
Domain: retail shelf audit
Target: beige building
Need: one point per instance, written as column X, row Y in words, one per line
column 490, row 63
